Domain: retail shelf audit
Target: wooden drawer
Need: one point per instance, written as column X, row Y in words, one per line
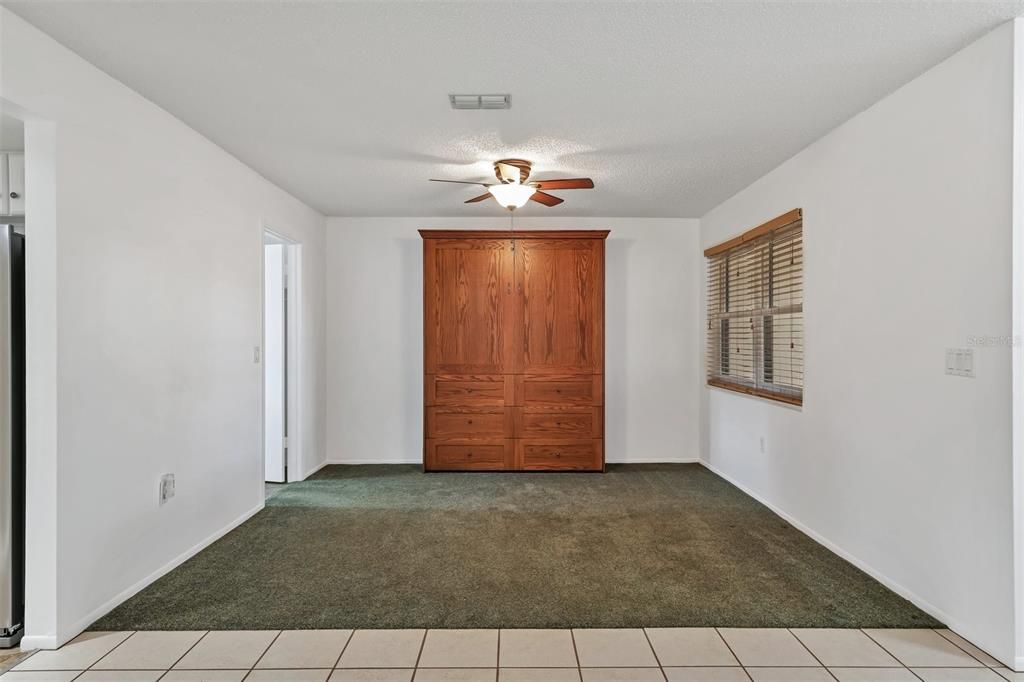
column 469, row 390
column 553, row 422
column 574, row 455
column 469, row 422
column 469, row 456
column 560, row 389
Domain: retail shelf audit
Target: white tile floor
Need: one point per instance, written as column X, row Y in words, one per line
column 625, row 655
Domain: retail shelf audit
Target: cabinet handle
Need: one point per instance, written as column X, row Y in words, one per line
column 14, row 195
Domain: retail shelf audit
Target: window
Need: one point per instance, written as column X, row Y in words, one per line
column 755, row 309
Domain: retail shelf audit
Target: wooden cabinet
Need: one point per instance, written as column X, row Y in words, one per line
column 513, row 327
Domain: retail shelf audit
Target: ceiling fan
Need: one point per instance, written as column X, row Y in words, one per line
column 514, row 187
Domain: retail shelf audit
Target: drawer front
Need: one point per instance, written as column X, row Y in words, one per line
column 464, row 422
column 492, row 390
column 560, row 390
column 455, row 456
column 559, row 423
column 577, row 455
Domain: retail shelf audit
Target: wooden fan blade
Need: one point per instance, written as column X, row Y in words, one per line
column 546, row 199
column 460, row 182
column 485, row 195
column 568, row 183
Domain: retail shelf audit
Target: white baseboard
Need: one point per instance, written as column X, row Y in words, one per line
column 374, row 461
column 654, row 460
column 899, row 589
column 78, row 627
column 312, row 471
column 29, row 642
column 642, row 460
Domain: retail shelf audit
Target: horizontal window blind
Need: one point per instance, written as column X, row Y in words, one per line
column 755, row 311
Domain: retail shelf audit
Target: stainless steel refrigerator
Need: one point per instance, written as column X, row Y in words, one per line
column 12, row 435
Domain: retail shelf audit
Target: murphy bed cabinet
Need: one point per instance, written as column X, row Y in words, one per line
column 513, row 328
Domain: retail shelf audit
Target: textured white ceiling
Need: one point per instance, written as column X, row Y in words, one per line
column 670, row 107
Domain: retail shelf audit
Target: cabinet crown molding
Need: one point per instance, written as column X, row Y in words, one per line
column 514, row 234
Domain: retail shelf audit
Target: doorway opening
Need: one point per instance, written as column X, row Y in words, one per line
column 280, row 359
column 12, row 381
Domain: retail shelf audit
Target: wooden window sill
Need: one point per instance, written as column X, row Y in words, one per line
column 796, row 401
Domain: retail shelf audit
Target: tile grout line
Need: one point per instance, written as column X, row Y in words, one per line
column 89, row 667
column 419, row 655
column 178, row 660
column 729, row 647
column 116, row 646
column 735, row 657
column 939, row 633
column 813, row 655
column 497, row 661
column 661, row 668
column 576, row 652
column 351, row 634
column 260, row 657
column 897, row 658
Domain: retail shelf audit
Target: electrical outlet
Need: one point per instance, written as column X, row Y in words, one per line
column 166, row 487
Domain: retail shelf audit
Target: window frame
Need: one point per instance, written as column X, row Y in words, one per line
column 763, row 376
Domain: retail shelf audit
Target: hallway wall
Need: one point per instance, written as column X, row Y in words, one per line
column 156, row 237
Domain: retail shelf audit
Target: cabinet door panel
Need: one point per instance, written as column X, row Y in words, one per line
column 469, row 422
column 559, row 389
column 467, row 295
column 470, row 390
column 568, row 455
column 558, row 422
column 447, row 455
column 561, row 305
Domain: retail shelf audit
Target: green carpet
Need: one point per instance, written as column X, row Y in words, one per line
column 391, row 547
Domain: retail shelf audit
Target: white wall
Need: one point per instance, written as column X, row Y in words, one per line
column 375, row 335
column 157, row 241
column 1018, row 334
column 907, row 236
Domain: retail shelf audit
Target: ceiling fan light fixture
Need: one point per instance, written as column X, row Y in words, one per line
column 512, row 195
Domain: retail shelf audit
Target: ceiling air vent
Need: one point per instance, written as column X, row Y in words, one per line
column 480, row 101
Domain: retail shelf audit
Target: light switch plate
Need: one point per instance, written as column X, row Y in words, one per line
column 960, row 362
